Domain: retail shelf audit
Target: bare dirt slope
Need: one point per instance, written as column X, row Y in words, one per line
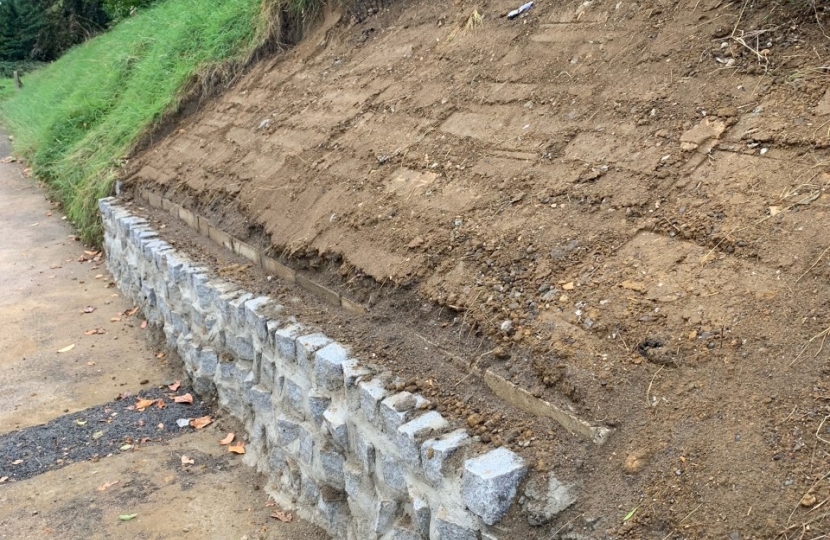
column 629, row 198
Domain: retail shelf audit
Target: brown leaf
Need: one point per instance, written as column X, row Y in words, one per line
column 107, row 485
column 175, row 386
column 187, row 461
column 285, row 517
column 131, row 312
column 187, row 398
column 201, row 422
column 161, row 404
column 238, row 448
column 142, row 404
column 115, row 319
column 228, row 439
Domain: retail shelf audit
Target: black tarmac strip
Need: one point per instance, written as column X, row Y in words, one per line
column 95, row 433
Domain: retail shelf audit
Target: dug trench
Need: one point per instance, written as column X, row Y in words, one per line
column 619, row 208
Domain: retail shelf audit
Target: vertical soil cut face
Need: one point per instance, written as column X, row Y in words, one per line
column 619, row 209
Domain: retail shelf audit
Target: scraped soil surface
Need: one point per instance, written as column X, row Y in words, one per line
column 622, row 207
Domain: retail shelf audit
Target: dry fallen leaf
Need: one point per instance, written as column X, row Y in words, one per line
column 143, row 324
column 131, row 312
column 142, row 404
column 107, row 485
column 569, row 286
column 160, row 355
column 228, row 439
column 285, row 517
column 238, row 448
column 99, row 276
column 3, row 479
column 17, row 462
column 175, row 386
column 187, row 398
column 187, row 461
column 115, row 319
column 67, row 348
column 94, row 331
column 199, row 423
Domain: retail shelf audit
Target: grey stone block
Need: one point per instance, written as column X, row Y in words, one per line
column 294, row 396
column 285, row 340
column 371, row 393
column 421, row 515
column 334, row 422
column 208, row 362
column 544, row 500
column 331, row 462
column 404, row 533
column 353, row 478
column 287, row 430
column 353, row 371
column 328, row 366
column 386, row 512
column 439, row 456
column 306, row 347
column 241, row 346
column 365, row 452
column 267, row 370
column 392, row 474
column 396, row 410
column 448, row 527
column 490, row 482
column 414, row 432
column 309, row 490
column 317, row 405
column 260, row 400
column 306, row 451
column 237, row 310
column 336, row 516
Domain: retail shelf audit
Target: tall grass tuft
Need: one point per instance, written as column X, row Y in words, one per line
column 76, row 120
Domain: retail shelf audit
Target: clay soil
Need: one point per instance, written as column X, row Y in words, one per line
column 622, row 207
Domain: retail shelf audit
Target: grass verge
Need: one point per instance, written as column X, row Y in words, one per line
column 6, row 88
column 78, row 119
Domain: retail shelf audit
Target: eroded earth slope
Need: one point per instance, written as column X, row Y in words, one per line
column 628, row 199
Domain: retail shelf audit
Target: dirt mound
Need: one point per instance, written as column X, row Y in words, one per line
column 629, row 199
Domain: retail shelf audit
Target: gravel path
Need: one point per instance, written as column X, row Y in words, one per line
column 94, row 433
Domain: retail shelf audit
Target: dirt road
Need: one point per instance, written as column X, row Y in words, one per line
column 78, row 486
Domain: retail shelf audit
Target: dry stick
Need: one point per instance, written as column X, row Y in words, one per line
column 823, row 335
column 648, row 390
column 679, row 523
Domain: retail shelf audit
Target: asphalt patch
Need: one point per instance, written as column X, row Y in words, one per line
column 91, row 434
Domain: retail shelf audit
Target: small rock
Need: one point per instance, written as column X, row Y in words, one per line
column 808, row 500
column 635, row 461
column 473, row 420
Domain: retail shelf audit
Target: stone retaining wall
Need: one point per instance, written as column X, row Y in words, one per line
column 348, row 454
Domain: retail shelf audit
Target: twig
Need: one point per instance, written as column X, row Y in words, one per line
column 648, row 390
column 823, row 335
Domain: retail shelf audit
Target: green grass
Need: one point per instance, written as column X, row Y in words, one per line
column 6, row 88
column 77, row 119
